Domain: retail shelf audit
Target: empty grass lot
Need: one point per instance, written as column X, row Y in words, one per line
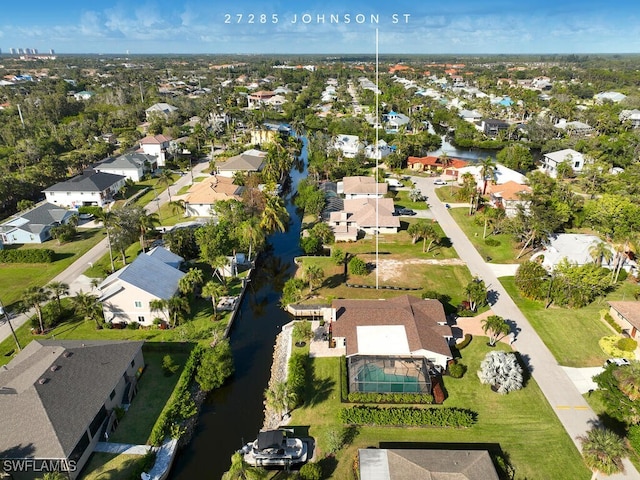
column 571, row 335
column 522, row 423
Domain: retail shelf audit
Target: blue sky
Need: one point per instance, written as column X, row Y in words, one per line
column 215, row 26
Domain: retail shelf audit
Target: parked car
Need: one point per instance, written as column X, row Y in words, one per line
column 406, row 211
column 617, row 361
column 439, row 181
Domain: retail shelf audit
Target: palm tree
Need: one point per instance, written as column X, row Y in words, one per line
column 279, row 398
column 107, row 218
column 35, row 297
column 177, row 307
column 629, row 380
column 214, row 290
column 275, row 216
column 496, row 327
column 487, row 169
column 178, row 207
column 191, row 281
column 600, row 251
column 146, row 222
column 166, row 179
column 603, row 451
column 218, row 264
column 58, row 289
column 251, row 232
column 87, row 305
column 313, row 274
column 160, row 305
column 425, row 230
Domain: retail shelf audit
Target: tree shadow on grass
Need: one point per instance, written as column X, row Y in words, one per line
column 328, row 465
column 333, row 281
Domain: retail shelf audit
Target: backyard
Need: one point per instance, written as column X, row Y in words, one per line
column 520, row 424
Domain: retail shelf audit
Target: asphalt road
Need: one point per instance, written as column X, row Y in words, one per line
column 574, row 412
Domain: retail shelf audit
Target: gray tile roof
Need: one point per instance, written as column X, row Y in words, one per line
column 165, row 256
column 128, row 161
column 251, row 162
column 46, row 214
column 90, row 181
column 45, row 419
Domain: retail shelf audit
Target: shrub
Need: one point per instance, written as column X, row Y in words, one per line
column 457, row 370
column 408, row 416
column 90, row 210
column 297, row 377
column 311, row 244
column 465, row 342
column 311, row 471
column 634, row 437
column 375, row 397
column 609, row 319
column 609, row 346
column 491, row 242
column 338, row 256
column 344, row 380
column 32, row 255
column 627, row 344
column 357, row 266
column 133, row 325
column 302, row 330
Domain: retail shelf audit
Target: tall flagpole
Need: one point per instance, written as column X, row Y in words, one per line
column 376, row 172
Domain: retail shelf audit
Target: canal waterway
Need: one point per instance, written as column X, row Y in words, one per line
column 233, row 415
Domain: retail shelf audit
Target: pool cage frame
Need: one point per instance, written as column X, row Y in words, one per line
column 382, row 374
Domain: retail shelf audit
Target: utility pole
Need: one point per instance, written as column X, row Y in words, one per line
column 8, row 320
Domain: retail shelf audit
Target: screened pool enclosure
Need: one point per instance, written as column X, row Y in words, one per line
column 380, row 374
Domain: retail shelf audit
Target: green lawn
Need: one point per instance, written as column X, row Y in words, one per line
column 572, row 335
column 506, row 252
column 17, row 277
column 154, row 389
column 109, row 466
column 402, row 200
column 522, row 423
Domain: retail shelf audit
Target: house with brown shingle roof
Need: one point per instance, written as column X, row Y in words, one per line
column 432, row 163
column 627, row 315
column 394, row 345
column 203, row 195
column 401, row 326
column 361, row 187
column 359, row 215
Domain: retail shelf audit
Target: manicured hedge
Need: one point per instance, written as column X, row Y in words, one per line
column 32, row 255
column 344, row 380
column 362, row 397
column 297, row 377
column 465, row 342
column 180, row 406
column 408, row 416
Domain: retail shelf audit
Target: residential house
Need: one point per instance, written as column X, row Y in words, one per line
column 575, row 248
column 379, row 151
column 627, row 315
column 157, row 145
column 268, row 132
column 471, row 116
column 508, row 196
column 501, row 175
column 575, row 129
column 132, row 165
column 394, row 121
column 631, row 116
column 59, row 399
column 394, row 345
column 551, row 160
column 432, row 163
column 247, row 162
column 84, row 95
column 163, row 109
column 348, row 145
column 409, row 464
column 614, row 97
column 92, row 188
column 363, row 215
column 361, row 187
column 259, row 99
column 202, row 196
column 126, row 294
column 492, row 127
column 34, row 226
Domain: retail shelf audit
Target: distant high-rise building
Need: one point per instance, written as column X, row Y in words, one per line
column 35, row 51
column 12, row 51
column 52, row 51
column 20, row 51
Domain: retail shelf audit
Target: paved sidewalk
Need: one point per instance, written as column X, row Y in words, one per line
column 122, row 448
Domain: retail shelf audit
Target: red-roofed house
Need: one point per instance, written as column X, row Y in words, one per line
column 156, row 145
column 435, row 164
column 508, row 196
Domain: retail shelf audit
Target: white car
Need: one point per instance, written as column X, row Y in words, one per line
column 618, row 361
column 439, row 181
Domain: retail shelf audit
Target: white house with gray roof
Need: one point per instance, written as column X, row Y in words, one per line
column 126, row 294
column 551, row 160
column 58, row 397
column 131, row 165
column 92, row 188
column 34, row 226
column 247, row 162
